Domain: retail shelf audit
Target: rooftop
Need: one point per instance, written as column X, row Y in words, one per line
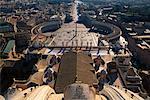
column 9, row 46
column 79, row 68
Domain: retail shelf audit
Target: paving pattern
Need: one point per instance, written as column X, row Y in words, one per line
column 73, row 34
column 68, row 35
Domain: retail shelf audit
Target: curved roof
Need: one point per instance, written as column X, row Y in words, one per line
column 34, row 93
column 117, row 93
column 76, row 91
column 1, row 97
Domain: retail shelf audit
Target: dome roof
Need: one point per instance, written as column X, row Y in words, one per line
column 34, row 93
